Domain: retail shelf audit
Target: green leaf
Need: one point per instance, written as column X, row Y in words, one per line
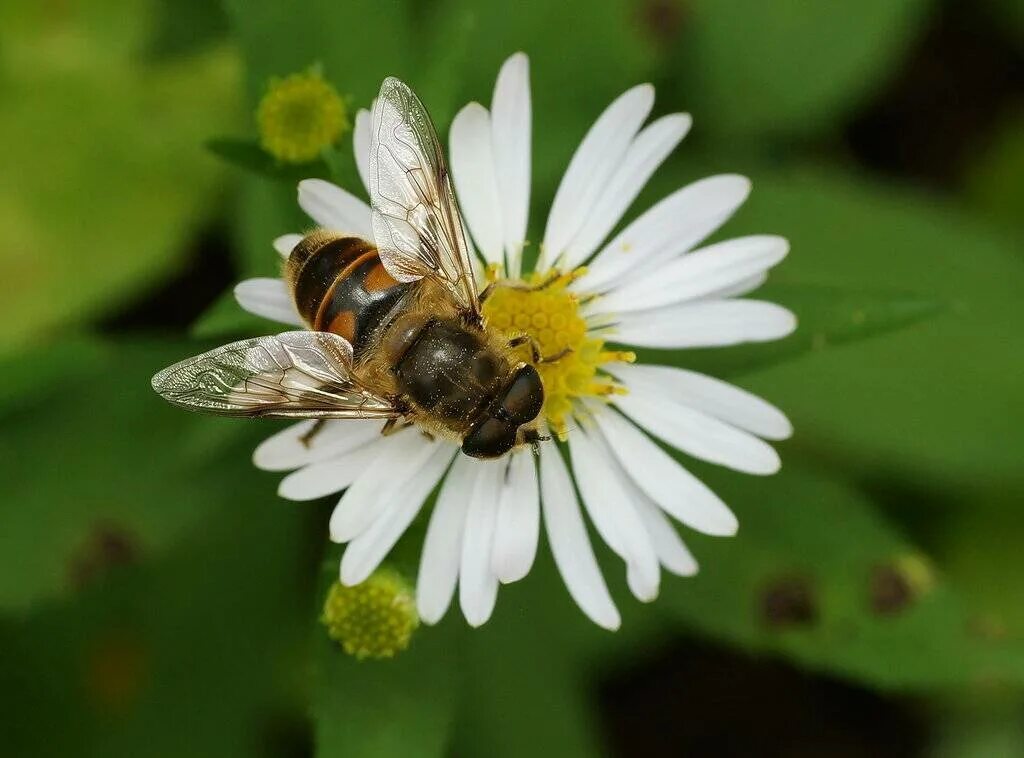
column 265, row 211
column 450, row 49
column 400, row 706
column 95, row 452
column 226, row 318
column 527, row 674
column 995, row 183
column 748, row 68
column 184, row 27
column 97, row 211
column 521, row 695
column 978, row 536
column 336, row 163
column 827, row 317
column 249, row 156
column 810, row 576
column 29, row 376
column 358, row 43
column 197, row 651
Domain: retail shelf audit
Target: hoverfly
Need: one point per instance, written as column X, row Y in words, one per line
column 397, row 331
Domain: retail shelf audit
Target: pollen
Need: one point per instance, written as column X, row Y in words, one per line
column 299, row 116
column 375, row 619
column 545, row 312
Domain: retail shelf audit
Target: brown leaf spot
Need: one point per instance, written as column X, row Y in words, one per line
column 662, row 20
column 788, row 601
column 108, row 545
column 895, row 586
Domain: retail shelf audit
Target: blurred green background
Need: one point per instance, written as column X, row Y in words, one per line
column 158, row 599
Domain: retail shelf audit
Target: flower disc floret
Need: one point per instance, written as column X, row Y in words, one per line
column 546, row 310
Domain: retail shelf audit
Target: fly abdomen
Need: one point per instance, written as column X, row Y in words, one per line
column 341, row 286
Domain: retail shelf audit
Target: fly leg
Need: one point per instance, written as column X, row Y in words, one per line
column 486, row 292
column 307, row 438
column 533, row 438
column 557, row 356
column 527, row 339
column 494, row 283
column 553, row 277
column 395, row 424
column 492, row 273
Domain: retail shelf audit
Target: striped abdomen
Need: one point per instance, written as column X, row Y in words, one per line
column 341, row 286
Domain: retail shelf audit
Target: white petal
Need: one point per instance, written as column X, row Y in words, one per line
column 511, row 123
column 696, row 274
column 286, row 243
column 713, row 323
column 478, row 586
column 268, row 298
column 442, row 547
column 285, row 450
column 365, row 553
column 361, row 144
column 650, row 148
column 333, row 208
column 720, row 399
column 672, row 553
column 699, row 434
column 331, row 476
column 738, row 289
column 570, row 545
column 592, row 165
column 668, row 484
column 515, row 536
column 670, row 227
column 288, row 449
column 472, row 162
column 374, row 490
column 609, row 506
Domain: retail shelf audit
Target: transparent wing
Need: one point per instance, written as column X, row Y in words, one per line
column 293, row 375
column 416, row 222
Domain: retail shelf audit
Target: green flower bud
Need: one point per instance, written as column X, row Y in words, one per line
column 375, row 619
column 299, row 116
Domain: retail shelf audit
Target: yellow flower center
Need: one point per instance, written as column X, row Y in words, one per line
column 375, row 619
column 299, row 116
column 544, row 310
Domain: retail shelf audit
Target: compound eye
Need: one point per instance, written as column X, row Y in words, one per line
column 524, row 396
column 490, row 439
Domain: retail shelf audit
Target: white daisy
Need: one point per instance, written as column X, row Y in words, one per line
column 646, row 286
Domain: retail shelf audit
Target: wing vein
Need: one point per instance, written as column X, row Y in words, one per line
column 293, row 375
column 416, row 220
